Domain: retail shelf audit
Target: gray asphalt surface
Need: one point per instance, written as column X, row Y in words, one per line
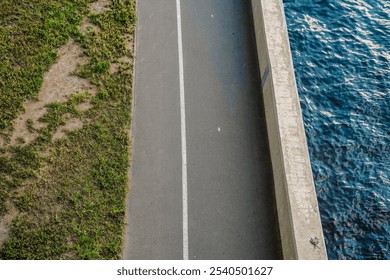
column 231, row 205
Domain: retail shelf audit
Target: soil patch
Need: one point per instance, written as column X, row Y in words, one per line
column 100, row 6
column 59, row 83
column 5, row 223
column 71, row 125
column 84, row 106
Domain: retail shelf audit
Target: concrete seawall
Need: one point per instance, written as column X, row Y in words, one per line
column 298, row 213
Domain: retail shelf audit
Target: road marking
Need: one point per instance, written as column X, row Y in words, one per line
column 183, row 133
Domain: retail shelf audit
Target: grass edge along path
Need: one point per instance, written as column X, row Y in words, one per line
column 70, row 193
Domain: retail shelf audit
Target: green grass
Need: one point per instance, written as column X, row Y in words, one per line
column 30, row 31
column 70, row 193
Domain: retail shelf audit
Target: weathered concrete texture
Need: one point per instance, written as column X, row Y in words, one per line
column 299, row 220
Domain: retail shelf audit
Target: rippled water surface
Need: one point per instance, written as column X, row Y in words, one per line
column 341, row 53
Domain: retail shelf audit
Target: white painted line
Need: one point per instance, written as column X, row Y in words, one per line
column 183, row 133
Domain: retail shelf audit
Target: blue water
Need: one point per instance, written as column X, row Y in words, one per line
column 341, row 53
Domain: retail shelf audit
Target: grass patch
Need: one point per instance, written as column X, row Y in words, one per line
column 70, row 192
column 30, row 32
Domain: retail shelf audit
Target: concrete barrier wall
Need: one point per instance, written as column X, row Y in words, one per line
column 298, row 214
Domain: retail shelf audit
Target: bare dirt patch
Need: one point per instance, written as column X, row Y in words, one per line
column 114, row 67
column 71, row 125
column 100, row 6
column 83, row 107
column 5, row 223
column 59, row 83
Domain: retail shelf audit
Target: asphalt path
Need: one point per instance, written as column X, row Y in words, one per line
column 201, row 177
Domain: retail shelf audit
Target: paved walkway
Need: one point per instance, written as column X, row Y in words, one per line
column 201, row 172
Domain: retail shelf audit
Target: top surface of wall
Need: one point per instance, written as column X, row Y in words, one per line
column 299, row 219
